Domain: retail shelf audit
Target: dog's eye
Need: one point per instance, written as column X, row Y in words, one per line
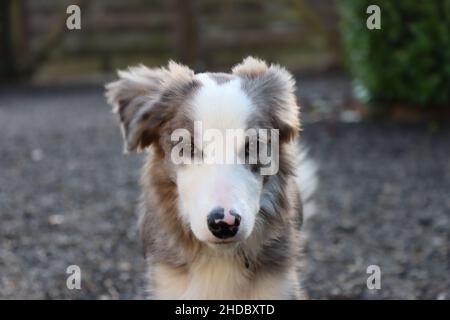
column 195, row 152
column 247, row 150
column 251, row 155
column 251, row 151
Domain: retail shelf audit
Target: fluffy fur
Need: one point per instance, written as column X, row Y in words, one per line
column 184, row 260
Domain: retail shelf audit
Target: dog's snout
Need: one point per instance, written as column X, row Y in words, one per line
column 223, row 224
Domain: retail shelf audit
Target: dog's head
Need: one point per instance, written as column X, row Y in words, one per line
column 218, row 135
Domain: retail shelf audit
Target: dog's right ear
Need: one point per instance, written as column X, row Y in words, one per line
column 146, row 98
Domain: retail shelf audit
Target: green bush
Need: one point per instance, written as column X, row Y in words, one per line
column 407, row 61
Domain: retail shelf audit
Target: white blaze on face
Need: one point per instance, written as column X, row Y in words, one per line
column 204, row 187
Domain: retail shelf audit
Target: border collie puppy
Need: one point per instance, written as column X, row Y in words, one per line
column 210, row 228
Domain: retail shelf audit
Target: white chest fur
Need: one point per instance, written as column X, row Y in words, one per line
column 220, row 277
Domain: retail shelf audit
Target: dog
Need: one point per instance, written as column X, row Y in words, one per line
column 215, row 230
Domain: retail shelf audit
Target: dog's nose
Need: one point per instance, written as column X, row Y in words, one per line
column 223, row 224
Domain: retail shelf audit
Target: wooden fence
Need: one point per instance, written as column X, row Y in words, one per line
column 210, row 34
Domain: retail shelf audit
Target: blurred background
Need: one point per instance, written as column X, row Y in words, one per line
column 375, row 113
column 204, row 34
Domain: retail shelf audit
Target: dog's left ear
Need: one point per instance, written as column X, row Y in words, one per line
column 146, row 98
column 272, row 88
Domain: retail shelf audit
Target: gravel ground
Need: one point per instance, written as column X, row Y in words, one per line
column 67, row 196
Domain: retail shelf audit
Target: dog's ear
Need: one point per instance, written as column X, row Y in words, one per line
column 272, row 88
column 146, row 98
